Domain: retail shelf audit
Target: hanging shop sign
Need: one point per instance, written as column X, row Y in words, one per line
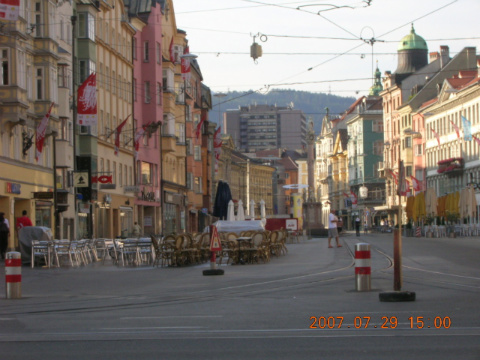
column 13, row 188
column 103, row 179
column 363, row 192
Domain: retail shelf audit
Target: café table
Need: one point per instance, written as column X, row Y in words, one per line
column 243, row 241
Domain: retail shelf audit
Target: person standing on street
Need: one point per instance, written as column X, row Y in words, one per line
column 332, row 228
column 357, row 225
column 23, row 220
column 136, row 230
column 4, row 233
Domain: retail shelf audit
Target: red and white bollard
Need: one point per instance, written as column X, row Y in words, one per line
column 13, row 275
column 363, row 267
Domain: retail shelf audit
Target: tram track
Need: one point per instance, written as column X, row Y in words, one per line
column 305, row 280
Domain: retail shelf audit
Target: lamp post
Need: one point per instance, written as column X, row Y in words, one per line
column 54, row 133
column 186, row 72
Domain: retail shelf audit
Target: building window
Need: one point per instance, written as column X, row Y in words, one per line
column 158, row 93
column 5, row 76
column 147, row 92
column 86, row 26
column 197, row 187
column 159, row 53
column 180, row 133
column 146, row 173
column 168, row 80
column 418, row 150
column 189, row 147
column 197, row 153
column 145, row 52
column 39, row 83
column 86, row 68
column 63, row 76
column 38, row 20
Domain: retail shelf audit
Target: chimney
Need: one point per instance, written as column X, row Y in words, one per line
column 444, row 55
column 434, row 56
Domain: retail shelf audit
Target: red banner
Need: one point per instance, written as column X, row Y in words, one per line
column 87, row 102
column 40, row 134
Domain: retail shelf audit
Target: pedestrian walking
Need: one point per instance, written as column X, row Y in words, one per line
column 357, row 225
column 23, row 221
column 136, row 230
column 332, row 228
column 4, row 234
column 365, row 228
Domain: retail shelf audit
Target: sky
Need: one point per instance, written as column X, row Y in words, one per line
column 317, row 46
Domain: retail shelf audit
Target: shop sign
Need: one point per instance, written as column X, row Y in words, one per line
column 80, row 179
column 108, row 186
column 84, row 208
column 131, row 188
column 103, row 179
column 147, row 196
column 43, row 195
column 363, row 192
column 13, row 188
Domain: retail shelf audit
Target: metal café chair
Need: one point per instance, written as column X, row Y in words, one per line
column 42, row 249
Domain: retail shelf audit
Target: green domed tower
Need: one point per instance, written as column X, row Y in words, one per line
column 377, row 85
column 412, row 53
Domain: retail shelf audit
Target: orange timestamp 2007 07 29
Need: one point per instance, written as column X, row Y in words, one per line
column 387, row 322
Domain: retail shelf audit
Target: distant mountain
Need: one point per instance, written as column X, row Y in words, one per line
column 313, row 105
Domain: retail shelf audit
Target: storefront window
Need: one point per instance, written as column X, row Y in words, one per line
column 42, row 215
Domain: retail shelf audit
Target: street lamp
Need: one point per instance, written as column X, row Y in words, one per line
column 54, row 133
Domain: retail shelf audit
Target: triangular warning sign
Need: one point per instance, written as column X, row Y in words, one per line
column 215, row 244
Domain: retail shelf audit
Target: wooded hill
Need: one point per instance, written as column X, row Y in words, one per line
column 313, row 105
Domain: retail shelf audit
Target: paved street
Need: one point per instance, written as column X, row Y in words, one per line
column 261, row 311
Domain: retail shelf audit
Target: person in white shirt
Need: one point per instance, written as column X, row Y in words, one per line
column 332, row 228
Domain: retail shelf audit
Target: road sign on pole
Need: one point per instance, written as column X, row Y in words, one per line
column 215, row 244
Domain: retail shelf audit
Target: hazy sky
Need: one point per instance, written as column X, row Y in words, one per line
column 221, row 32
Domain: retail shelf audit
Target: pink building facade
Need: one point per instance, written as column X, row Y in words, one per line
column 147, row 113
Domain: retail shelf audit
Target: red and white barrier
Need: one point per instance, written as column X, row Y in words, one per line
column 363, row 267
column 13, row 275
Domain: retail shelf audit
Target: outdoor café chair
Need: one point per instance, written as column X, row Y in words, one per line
column 42, row 249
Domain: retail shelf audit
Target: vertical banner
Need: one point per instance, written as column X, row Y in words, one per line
column 87, row 102
column 185, row 65
column 298, row 208
column 9, row 9
column 467, row 129
column 40, row 133
column 118, row 131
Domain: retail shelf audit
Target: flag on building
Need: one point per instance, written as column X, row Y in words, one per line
column 467, row 129
column 138, row 136
column 436, row 136
column 40, row 133
column 354, row 198
column 199, row 125
column 87, row 102
column 185, row 65
column 416, row 184
column 118, row 131
column 170, row 50
column 393, row 175
column 9, row 9
column 476, row 139
column 217, row 141
column 457, row 130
